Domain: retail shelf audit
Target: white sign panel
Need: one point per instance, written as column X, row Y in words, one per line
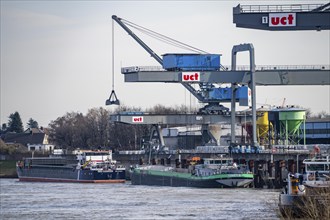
column 264, row 20
column 282, row 19
column 137, row 119
column 190, row 76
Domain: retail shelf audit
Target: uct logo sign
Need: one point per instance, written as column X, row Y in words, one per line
column 137, row 119
column 282, row 19
column 190, row 76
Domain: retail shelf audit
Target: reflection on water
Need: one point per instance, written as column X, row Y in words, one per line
column 24, row 200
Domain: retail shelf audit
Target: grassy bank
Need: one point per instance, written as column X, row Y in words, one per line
column 8, row 169
column 314, row 205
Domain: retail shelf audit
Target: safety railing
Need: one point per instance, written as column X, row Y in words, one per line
column 278, row 8
column 282, row 67
column 135, row 69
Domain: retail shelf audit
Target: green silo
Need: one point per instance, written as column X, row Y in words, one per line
column 290, row 120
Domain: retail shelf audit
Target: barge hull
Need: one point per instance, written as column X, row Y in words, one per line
column 61, row 174
column 32, row 179
column 174, row 181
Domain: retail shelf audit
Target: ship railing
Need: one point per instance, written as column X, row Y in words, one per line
column 61, row 166
column 222, row 151
column 285, row 151
column 132, row 152
column 47, row 160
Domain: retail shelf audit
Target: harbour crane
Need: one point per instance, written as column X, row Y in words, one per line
column 152, row 53
column 204, row 95
column 213, row 105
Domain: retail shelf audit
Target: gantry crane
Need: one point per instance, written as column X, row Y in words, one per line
column 316, row 75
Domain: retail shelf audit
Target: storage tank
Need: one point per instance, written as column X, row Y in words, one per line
column 215, row 132
column 287, row 122
column 262, row 126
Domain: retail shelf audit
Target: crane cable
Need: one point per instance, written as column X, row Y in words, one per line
column 113, row 56
column 166, row 39
column 163, row 38
column 113, row 100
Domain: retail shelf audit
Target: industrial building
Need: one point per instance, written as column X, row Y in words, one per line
column 317, row 131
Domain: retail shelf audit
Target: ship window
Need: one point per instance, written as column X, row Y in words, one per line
column 315, row 167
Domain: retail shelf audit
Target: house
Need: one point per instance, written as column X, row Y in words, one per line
column 35, row 139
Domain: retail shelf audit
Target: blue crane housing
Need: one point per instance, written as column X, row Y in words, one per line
column 191, row 62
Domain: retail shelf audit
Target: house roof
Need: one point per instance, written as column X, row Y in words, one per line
column 24, row 138
column 34, row 130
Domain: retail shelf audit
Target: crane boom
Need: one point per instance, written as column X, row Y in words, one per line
column 137, row 39
column 155, row 56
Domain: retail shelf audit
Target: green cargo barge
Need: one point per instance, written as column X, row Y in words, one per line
column 214, row 173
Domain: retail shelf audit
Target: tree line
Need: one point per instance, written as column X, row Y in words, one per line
column 94, row 129
column 15, row 124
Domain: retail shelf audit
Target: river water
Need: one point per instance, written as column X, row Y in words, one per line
column 25, row 200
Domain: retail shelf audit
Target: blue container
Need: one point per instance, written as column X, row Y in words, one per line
column 191, row 62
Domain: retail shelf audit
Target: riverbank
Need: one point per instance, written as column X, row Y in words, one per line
column 8, row 169
column 315, row 204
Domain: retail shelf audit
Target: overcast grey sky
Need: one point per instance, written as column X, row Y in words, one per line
column 56, row 55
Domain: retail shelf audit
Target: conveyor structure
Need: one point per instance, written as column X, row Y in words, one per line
column 176, row 119
column 156, row 120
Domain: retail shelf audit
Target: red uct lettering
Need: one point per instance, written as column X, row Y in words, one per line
column 290, row 18
column 275, row 20
column 190, row 76
column 185, row 77
column 137, row 119
column 282, row 19
column 196, row 76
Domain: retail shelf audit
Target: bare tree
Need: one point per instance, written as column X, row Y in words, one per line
column 323, row 114
column 94, row 130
